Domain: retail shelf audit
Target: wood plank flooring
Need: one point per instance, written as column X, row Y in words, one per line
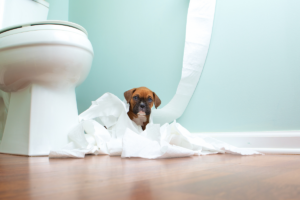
column 102, row 177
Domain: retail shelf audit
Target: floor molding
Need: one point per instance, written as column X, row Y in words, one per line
column 277, row 150
column 271, row 142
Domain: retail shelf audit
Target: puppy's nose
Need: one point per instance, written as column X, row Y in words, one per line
column 142, row 105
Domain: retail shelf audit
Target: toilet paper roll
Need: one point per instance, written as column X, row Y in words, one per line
column 198, row 33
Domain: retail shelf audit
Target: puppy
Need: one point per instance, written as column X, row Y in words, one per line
column 141, row 101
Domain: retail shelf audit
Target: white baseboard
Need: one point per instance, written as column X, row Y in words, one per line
column 277, row 150
column 272, row 142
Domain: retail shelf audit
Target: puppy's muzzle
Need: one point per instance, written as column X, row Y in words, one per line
column 142, row 107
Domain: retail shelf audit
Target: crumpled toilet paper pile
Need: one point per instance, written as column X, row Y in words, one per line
column 123, row 137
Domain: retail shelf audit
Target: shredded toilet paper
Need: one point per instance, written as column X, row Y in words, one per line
column 122, row 137
column 199, row 25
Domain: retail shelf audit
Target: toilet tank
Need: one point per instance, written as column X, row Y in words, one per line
column 14, row 12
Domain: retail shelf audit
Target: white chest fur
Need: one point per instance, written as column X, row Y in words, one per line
column 140, row 120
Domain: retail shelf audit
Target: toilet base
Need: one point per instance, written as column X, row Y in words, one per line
column 38, row 120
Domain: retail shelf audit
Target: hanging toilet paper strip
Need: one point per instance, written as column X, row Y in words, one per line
column 123, row 137
column 198, row 33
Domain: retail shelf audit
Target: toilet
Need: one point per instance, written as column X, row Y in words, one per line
column 41, row 63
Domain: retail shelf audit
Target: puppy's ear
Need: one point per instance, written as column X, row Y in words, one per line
column 157, row 101
column 128, row 94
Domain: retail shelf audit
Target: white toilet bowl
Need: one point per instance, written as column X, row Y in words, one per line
column 41, row 63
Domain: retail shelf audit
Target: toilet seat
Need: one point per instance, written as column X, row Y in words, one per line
column 42, row 32
column 39, row 25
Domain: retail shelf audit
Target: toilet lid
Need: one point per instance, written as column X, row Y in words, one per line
column 48, row 22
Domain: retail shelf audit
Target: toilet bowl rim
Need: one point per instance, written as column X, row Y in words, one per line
column 32, row 25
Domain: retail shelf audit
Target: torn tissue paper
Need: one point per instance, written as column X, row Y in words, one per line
column 123, row 137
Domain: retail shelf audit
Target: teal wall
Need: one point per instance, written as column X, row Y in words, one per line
column 58, row 10
column 136, row 43
column 251, row 76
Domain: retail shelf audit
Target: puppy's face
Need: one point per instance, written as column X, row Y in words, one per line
column 141, row 100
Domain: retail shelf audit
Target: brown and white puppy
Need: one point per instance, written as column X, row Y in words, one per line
column 141, row 101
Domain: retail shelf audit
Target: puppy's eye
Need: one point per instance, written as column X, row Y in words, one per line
column 149, row 100
column 135, row 97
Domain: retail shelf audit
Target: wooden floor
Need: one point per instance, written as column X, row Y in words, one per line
column 102, row 177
